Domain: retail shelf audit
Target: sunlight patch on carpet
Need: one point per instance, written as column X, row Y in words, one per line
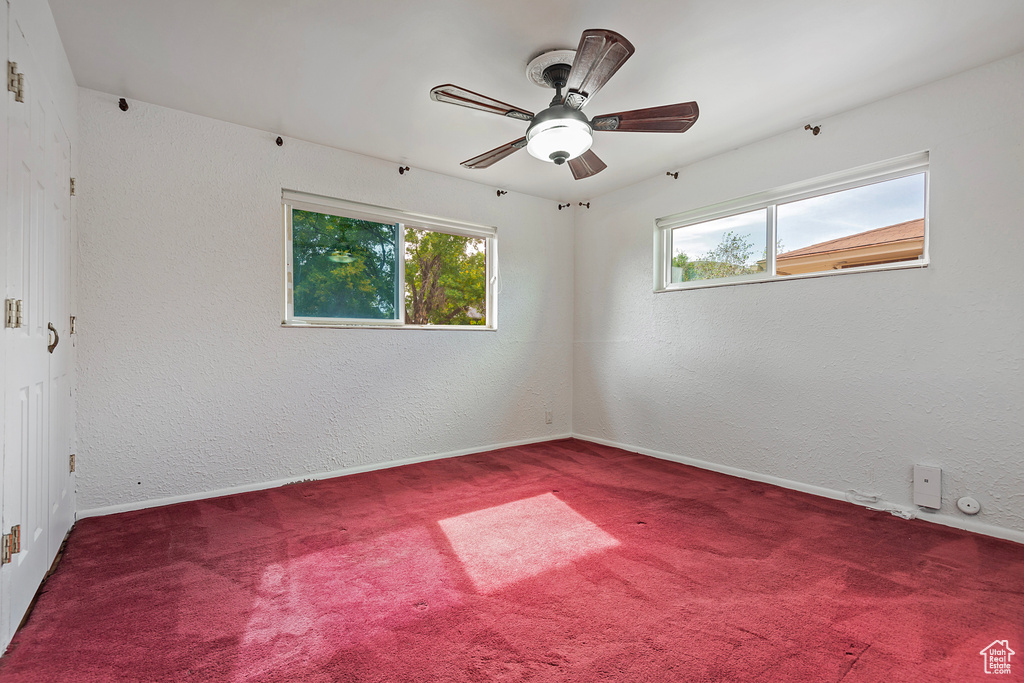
column 315, row 604
column 501, row 545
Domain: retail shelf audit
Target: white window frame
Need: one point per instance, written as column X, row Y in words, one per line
column 900, row 167
column 292, row 199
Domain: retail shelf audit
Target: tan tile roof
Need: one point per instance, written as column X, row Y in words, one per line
column 900, row 232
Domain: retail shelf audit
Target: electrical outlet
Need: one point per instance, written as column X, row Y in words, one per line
column 548, row 417
column 928, row 486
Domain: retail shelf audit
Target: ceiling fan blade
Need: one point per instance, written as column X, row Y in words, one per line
column 586, row 165
column 453, row 94
column 495, row 155
column 598, row 57
column 671, row 118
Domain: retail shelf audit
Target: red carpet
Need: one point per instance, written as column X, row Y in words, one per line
column 563, row 561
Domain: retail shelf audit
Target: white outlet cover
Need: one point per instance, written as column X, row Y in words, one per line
column 968, row 505
column 928, row 486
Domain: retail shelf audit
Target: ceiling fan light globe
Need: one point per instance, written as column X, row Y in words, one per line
column 341, row 256
column 558, row 140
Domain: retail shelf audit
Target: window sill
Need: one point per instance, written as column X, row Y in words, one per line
column 701, row 284
column 357, row 326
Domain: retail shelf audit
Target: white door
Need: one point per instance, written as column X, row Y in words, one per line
column 4, row 600
column 36, row 481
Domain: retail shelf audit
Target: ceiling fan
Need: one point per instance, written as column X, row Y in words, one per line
column 562, row 133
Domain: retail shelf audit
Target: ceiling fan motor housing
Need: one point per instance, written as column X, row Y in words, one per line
column 557, row 75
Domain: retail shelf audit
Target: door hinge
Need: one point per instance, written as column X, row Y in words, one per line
column 12, row 313
column 72, row 187
column 71, row 463
column 72, row 324
column 15, row 82
column 11, row 544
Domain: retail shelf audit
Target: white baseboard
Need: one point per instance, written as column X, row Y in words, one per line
column 964, row 523
column 259, row 486
column 937, row 518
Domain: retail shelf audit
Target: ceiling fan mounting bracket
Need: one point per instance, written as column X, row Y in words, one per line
column 537, row 66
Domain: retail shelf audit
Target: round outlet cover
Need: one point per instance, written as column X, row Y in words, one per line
column 968, row 505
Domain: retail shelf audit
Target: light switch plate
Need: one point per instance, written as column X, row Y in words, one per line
column 928, row 486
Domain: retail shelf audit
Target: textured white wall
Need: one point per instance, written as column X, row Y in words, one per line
column 187, row 381
column 841, row 382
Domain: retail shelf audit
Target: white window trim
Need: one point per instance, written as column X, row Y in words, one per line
column 864, row 175
column 292, row 199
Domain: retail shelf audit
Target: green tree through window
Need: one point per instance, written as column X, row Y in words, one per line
column 343, row 267
column 445, row 279
column 347, row 268
column 729, row 258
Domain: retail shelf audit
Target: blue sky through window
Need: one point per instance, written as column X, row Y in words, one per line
column 810, row 221
column 827, row 217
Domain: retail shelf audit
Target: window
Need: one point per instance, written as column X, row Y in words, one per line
column 350, row 264
column 868, row 219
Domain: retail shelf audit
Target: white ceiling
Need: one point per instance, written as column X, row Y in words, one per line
column 356, row 74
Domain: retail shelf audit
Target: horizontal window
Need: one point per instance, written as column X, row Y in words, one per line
column 867, row 219
column 350, row 264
